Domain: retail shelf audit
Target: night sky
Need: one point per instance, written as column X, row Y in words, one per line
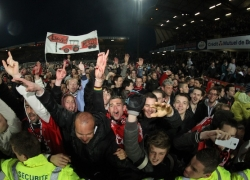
column 23, row 21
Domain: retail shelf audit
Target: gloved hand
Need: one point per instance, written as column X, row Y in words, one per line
column 135, row 103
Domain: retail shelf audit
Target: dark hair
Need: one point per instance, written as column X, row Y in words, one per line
column 117, row 97
column 228, row 86
column 150, row 95
column 231, row 122
column 159, row 139
column 214, row 89
column 183, row 95
column 210, row 159
column 25, row 143
column 200, row 80
column 116, row 78
column 126, row 83
column 221, row 115
column 200, row 89
column 108, row 89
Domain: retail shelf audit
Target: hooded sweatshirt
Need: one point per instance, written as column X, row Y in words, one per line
column 45, row 129
column 241, row 106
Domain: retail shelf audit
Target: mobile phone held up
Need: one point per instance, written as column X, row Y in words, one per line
column 230, row 143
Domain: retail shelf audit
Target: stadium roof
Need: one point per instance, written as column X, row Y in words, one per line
column 172, row 15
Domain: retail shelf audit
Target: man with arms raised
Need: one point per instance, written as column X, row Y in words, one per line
column 92, row 141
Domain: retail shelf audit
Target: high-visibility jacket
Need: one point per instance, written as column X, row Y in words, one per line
column 219, row 174
column 241, row 175
column 36, row 168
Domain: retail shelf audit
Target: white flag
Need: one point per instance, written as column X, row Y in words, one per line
column 65, row 44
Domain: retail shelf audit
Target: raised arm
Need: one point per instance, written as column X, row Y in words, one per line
column 99, row 73
column 34, row 103
column 62, row 117
column 134, row 151
column 56, row 90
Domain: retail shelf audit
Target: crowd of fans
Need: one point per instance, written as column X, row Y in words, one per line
column 229, row 26
column 123, row 120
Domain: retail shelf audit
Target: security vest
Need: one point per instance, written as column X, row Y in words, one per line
column 219, row 174
column 241, row 175
column 36, row 168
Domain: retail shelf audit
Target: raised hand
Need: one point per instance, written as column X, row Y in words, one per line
column 30, row 86
column 126, row 58
column 12, row 67
column 162, row 109
column 101, row 64
column 81, row 67
column 61, row 73
column 140, row 62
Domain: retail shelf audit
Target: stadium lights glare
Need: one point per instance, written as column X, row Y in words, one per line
column 164, row 51
column 248, row 9
column 175, row 17
column 172, row 50
column 218, row 4
column 197, row 13
column 112, row 40
column 228, row 14
column 192, row 21
column 158, row 52
column 156, row 9
column 184, row 25
column 161, row 24
column 216, row 19
column 177, row 28
column 163, row 54
column 201, row 20
column 212, row 7
column 151, row 18
column 152, row 53
column 182, row 14
column 167, row 21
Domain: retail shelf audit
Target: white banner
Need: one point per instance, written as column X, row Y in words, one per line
column 239, row 42
column 65, row 44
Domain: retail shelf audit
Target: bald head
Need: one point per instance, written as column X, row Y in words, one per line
column 84, row 126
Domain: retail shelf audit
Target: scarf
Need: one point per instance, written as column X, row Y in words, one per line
column 138, row 88
column 118, row 128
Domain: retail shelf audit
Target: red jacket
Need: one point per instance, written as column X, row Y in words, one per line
column 48, row 134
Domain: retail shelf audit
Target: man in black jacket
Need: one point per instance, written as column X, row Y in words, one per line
column 206, row 108
column 92, row 140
